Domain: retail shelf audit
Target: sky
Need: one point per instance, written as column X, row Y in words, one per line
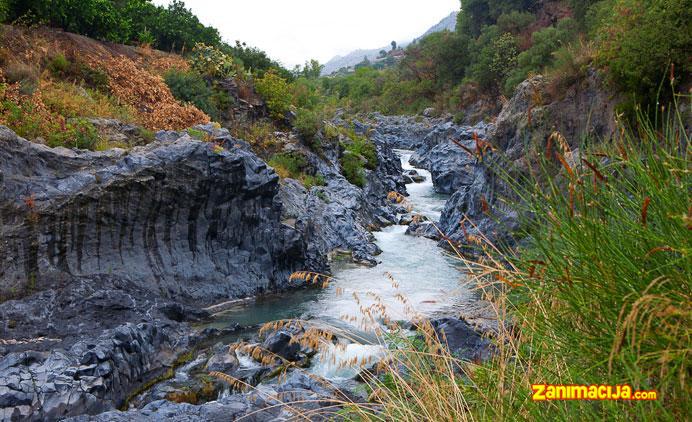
column 294, row 31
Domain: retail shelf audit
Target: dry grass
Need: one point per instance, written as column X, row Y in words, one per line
column 70, row 100
column 149, row 94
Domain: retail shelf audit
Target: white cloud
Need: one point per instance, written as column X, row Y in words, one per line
column 294, row 31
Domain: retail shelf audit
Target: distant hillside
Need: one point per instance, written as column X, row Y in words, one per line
column 355, row 57
column 449, row 23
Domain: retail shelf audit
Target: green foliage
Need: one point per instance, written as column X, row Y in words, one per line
column 477, row 14
column 352, row 168
column 639, row 40
column 26, row 122
column 276, row 94
column 212, row 62
column 4, row 10
column 192, row 88
column 310, row 181
column 126, row 21
column 145, row 37
column 197, row 134
column 604, row 277
column 80, row 134
column 79, row 73
column 311, row 70
column 359, row 154
column 292, row 164
column 515, row 22
column 542, row 52
column 496, row 56
column 295, row 166
column 308, row 123
column 255, row 60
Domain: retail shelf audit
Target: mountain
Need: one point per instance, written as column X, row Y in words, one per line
column 447, row 24
column 356, row 56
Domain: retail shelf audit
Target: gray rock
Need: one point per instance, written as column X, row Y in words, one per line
column 462, row 340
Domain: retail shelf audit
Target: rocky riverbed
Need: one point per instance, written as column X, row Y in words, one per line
column 110, row 260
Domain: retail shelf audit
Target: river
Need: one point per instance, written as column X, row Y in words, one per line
column 414, row 268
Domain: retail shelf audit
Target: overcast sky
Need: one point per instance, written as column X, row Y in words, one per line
column 293, row 31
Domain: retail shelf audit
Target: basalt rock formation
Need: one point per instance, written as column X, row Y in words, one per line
column 339, row 216
column 175, row 218
column 103, row 252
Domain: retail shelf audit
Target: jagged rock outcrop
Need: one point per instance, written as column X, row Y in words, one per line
column 584, row 109
column 104, row 255
column 339, row 215
column 176, row 218
column 96, row 244
column 92, row 376
column 468, row 169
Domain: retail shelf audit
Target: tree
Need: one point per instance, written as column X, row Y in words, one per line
column 276, row 94
column 312, row 69
column 393, row 45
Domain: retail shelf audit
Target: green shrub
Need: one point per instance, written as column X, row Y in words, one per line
column 639, row 40
column 79, row 73
column 459, row 118
column 359, row 154
column 190, row 87
column 198, row 134
column 352, row 168
column 308, row 123
column 310, row 181
column 212, row 62
column 542, row 52
column 288, row 164
column 361, row 146
column 58, row 65
column 145, row 37
column 80, row 134
column 275, row 92
column 515, row 22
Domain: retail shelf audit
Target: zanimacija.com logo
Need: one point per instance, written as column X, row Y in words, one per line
column 545, row 392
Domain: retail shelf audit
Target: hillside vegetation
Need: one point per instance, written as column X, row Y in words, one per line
column 498, row 43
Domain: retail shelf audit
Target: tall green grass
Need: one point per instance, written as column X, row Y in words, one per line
column 604, row 278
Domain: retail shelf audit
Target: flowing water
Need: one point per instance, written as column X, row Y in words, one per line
column 414, row 275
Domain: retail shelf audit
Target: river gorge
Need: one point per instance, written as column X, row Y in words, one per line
column 126, row 253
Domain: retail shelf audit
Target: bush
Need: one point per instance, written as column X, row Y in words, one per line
column 80, row 134
column 190, row 87
column 310, row 181
column 359, row 154
column 308, row 123
column 542, row 52
column 71, row 101
column 212, row 62
column 275, row 92
column 58, row 65
column 639, row 41
column 288, row 165
column 352, row 168
column 78, row 73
